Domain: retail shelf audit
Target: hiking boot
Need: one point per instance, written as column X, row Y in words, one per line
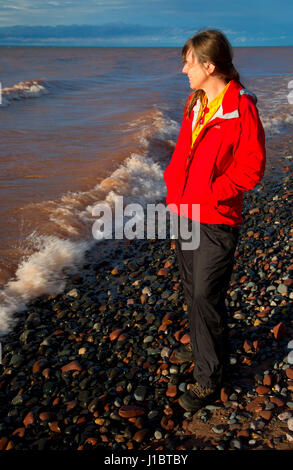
column 197, row 397
column 183, row 353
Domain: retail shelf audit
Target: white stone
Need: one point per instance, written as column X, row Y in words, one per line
column 147, row 291
column 290, row 424
column 165, row 352
column 285, row 416
column 73, row 293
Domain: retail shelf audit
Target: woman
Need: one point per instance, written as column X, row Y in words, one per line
column 220, row 154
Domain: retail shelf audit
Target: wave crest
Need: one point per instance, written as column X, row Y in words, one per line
column 23, row 90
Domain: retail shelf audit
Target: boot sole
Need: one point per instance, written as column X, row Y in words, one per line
column 209, row 400
column 187, row 408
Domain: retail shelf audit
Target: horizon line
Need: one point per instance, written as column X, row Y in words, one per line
column 129, row 47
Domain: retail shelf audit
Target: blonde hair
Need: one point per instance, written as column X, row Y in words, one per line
column 211, row 46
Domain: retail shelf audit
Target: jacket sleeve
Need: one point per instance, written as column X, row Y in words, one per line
column 249, row 158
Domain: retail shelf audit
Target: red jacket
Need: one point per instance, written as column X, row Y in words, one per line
column 227, row 159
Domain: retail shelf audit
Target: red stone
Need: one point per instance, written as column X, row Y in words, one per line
column 262, row 314
column 247, row 345
column 19, row 432
column 91, row 440
column 143, row 299
column 115, row 334
column 167, row 319
column 177, row 334
column 39, row 365
column 247, row 361
column 225, row 393
column 168, row 411
column 254, row 211
column 70, row 405
column 168, row 264
column 81, row 420
column 277, row 401
column 130, row 411
column 185, row 425
column 122, row 337
column 162, row 328
column 243, row 433
column 267, row 380
column 146, row 365
column 266, row 414
column 176, row 287
column 185, row 339
column 45, row 416
column 46, row 372
column 140, row 435
column 163, row 272
column 167, row 423
column 54, row 427
column 58, row 332
column 3, row 442
column 29, row 419
column 256, row 404
column 262, row 390
column 279, row 330
column 171, row 391
column 173, row 245
column 74, row 365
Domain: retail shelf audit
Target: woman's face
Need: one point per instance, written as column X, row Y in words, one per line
column 196, row 72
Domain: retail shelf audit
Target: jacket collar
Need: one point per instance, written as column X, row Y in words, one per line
column 230, row 104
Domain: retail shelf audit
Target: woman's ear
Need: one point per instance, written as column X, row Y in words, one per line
column 210, row 68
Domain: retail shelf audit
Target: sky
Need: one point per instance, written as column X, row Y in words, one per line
column 146, row 23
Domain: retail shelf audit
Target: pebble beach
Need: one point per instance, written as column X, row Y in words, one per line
column 93, row 367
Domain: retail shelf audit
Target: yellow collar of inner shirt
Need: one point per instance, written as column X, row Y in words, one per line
column 212, row 106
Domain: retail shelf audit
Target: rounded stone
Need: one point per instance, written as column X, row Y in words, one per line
column 290, row 424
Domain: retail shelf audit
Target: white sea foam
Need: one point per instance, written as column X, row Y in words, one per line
column 23, row 90
column 277, row 125
column 42, row 273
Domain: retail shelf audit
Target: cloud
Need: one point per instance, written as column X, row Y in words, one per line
column 107, row 32
column 122, row 34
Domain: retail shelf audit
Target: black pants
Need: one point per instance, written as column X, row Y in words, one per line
column 205, row 273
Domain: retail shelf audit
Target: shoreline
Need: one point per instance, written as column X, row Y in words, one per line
column 92, row 367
